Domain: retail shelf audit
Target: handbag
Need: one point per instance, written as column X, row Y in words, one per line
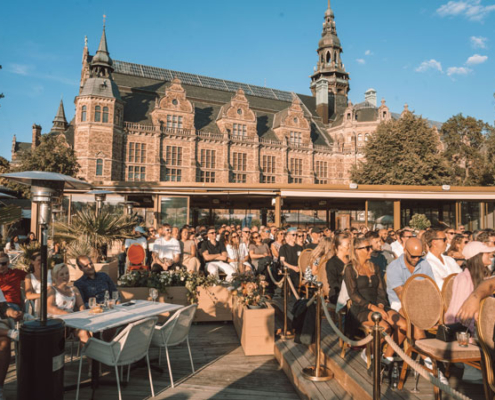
column 447, row 333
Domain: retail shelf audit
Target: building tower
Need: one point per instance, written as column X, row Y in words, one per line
column 60, row 122
column 330, row 81
column 98, row 136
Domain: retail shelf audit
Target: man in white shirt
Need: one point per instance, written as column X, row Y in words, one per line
column 441, row 265
column 166, row 250
column 398, row 245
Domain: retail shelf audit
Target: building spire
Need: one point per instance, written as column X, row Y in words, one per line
column 102, row 64
column 60, row 122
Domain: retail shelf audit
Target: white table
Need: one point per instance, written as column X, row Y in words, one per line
column 120, row 315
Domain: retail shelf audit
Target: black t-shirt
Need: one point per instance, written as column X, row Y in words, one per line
column 334, row 268
column 218, row 248
column 290, row 253
column 311, row 246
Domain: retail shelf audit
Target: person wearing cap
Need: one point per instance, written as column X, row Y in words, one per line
column 315, row 236
column 289, row 255
column 442, row 265
column 479, row 258
column 166, row 250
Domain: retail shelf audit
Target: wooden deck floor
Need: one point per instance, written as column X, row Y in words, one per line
column 222, row 372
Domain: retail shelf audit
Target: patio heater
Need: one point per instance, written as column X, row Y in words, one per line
column 42, row 342
column 100, row 197
column 129, row 205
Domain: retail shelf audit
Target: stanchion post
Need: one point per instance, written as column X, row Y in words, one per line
column 318, row 373
column 377, row 357
column 286, row 335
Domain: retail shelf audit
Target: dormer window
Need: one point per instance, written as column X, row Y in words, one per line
column 295, row 138
column 175, row 102
column 239, row 111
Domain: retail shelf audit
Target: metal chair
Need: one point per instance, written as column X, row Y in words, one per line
column 173, row 333
column 126, row 348
column 423, row 308
column 485, row 328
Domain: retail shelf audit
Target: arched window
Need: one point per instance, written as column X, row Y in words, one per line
column 348, row 116
column 83, row 114
column 335, row 57
column 360, row 138
column 328, row 57
column 97, row 114
column 99, row 167
column 322, row 59
column 105, row 114
column 366, row 137
column 384, row 114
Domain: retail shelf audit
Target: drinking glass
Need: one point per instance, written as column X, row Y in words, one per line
column 153, row 294
column 92, row 302
column 111, row 304
column 115, row 296
column 463, row 338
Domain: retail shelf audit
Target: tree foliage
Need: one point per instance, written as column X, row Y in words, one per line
column 403, row 152
column 419, row 221
column 464, row 140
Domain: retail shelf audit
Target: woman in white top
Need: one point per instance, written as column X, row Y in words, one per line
column 13, row 245
column 237, row 254
column 33, row 280
column 64, row 299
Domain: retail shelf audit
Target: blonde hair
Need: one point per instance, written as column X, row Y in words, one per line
column 323, row 251
column 354, row 260
column 56, row 270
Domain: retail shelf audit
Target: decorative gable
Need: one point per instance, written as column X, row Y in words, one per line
column 236, row 118
column 292, row 124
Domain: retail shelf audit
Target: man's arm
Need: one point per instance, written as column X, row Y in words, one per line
column 398, row 291
column 7, row 312
column 209, row 257
column 471, row 306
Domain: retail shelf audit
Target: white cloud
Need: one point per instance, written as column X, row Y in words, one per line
column 368, row 53
column 476, row 59
column 458, row 71
column 470, row 9
column 431, row 64
column 19, row 69
column 361, row 61
column 478, row 42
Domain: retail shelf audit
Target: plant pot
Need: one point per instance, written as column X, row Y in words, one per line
column 214, row 304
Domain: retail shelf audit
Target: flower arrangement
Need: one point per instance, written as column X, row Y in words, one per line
column 249, row 289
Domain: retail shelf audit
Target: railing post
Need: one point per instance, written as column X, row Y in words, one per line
column 377, row 356
column 286, row 335
column 318, row 373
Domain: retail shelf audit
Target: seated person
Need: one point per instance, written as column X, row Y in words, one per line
column 188, row 250
column 441, row 265
column 92, row 283
column 10, row 282
column 33, row 280
column 289, row 255
column 215, row 256
column 65, row 299
column 139, row 238
column 335, row 265
column 367, row 292
column 259, row 251
column 479, row 259
column 166, row 251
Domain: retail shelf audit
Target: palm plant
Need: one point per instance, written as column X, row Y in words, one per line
column 89, row 230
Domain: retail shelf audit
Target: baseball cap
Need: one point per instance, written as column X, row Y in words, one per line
column 316, row 230
column 474, row 248
column 292, row 230
column 140, row 229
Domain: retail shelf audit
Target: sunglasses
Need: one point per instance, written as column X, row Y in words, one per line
column 368, row 248
column 3, row 263
column 248, row 232
column 450, row 233
column 300, row 235
column 420, row 256
column 255, row 237
column 234, row 236
column 442, row 239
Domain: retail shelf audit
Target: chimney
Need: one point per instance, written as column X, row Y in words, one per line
column 370, row 96
column 322, row 99
column 36, row 136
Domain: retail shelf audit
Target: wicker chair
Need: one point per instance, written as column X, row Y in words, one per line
column 423, row 307
column 485, row 327
column 448, row 285
column 303, row 263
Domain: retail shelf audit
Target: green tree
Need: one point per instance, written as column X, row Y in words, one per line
column 464, row 140
column 402, row 152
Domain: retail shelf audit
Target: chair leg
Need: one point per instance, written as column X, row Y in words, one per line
column 118, row 381
column 128, row 373
column 160, row 356
column 190, row 355
column 404, row 370
column 169, row 367
column 436, row 390
column 79, row 378
column 149, row 373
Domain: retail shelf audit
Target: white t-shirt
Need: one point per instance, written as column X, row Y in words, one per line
column 397, row 248
column 140, row 240
column 441, row 271
column 166, row 248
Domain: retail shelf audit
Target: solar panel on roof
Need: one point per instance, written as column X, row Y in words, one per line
column 124, row 67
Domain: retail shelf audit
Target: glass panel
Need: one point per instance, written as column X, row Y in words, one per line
column 471, row 215
column 110, row 205
column 174, row 211
column 380, row 214
column 490, row 215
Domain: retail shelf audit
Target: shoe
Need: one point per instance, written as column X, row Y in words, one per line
column 363, row 356
column 13, row 334
column 442, row 378
column 386, row 361
column 428, row 363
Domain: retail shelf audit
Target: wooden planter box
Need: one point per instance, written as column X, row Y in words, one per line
column 111, row 269
column 256, row 329
column 214, row 303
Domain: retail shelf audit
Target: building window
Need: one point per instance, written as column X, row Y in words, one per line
column 83, row 114
column 173, row 156
column 321, row 172
column 136, row 173
column 267, row 179
column 173, row 175
column 97, row 114
column 131, row 152
column 239, row 131
column 174, row 122
column 295, row 169
column 238, row 178
column 239, row 161
column 207, row 158
column 105, row 114
column 99, row 167
column 268, row 164
column 137, row 152
column 295, row 138
column 206, row 176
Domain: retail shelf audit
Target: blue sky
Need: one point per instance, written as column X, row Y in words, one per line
column 437, row 56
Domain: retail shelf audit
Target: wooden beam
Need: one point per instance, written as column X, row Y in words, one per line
column 397, row 215
column 278, row 211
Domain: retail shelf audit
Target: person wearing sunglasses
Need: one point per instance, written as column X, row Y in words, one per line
column 442, row 265
column 166, row 251
column 398, row 245
column 289, row 255
column 366, row 289
column 455, row 249
column 215, row 255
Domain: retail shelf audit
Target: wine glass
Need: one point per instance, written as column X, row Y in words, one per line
column 115, row 296
column 153, row 294
column 92, row 302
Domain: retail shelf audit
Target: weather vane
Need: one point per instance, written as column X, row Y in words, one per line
column 104, row 18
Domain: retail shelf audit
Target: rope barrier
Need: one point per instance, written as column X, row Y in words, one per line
column 313, row 299
column 353, row 343
column 421, row 371
column 294, row 291
column 279, row 283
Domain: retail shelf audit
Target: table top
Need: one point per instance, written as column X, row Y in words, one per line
column 122, row 314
